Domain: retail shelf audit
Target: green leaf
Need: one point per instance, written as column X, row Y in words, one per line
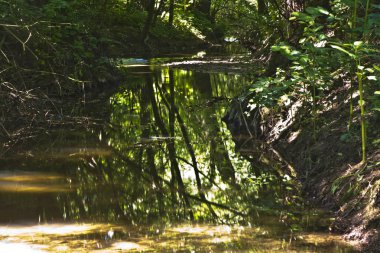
column 377, row 92
column 316, row 11
column 358, row 44
column 302, row 17
column 344, row 51
column 295, row 52
column 334, row 188
column 276, row 48
column 284, row 49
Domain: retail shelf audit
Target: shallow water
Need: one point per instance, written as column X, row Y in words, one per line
column 92, row 237
column 161, row 174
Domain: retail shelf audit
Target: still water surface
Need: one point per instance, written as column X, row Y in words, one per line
column 159, row 174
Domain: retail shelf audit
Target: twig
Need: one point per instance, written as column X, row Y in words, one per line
column 23, row 43
column 5, row 130
column 245, row 121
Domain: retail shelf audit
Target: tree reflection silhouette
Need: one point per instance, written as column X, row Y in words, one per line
column 172, row 158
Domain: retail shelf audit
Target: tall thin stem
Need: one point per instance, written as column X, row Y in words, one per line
column 354, row 15
column 351, row 98
column 314, row 110
column 362, row 118
column 366, row 18
column 359, row 75
column 366, row 12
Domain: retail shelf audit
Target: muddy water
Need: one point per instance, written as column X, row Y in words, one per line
column 160, row 174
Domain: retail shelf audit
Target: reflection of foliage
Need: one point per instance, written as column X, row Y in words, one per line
column 173, row 161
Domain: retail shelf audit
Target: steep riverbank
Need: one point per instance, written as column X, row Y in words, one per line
column 330, row 169
column 325, row 155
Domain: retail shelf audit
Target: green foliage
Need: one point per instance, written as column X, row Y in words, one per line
column 377, row 101
column 311, row 60
column 361, row 52
column 309, row 74
column 270, row 92
column 56, row 46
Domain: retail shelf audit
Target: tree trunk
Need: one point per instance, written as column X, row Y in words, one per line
column 204, row 6
column 171, row 12
column 219, row 157
column 150, row 153
column 261, row 7
column 174, row 166
column 159, row 11
column 149, row 20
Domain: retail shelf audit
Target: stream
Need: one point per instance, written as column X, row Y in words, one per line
column 158, row 172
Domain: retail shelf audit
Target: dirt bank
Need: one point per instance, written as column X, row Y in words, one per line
column 328, row 164
column 326, row 157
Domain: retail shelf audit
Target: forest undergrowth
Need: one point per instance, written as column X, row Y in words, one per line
column 56, row 57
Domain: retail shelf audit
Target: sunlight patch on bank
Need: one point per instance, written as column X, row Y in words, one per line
column 6, row 247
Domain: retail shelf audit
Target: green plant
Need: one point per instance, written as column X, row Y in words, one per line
column 357, row 51
column 311, row 65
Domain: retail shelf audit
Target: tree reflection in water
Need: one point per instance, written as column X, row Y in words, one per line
column 164, row 158
column 173, row 159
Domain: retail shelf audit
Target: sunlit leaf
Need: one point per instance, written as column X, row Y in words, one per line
column 357, row 44
column 317, row 11
column 343, row 50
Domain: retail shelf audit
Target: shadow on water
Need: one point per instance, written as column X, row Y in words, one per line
column 156, row 177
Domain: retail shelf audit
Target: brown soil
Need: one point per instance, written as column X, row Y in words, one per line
column 328, row 164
